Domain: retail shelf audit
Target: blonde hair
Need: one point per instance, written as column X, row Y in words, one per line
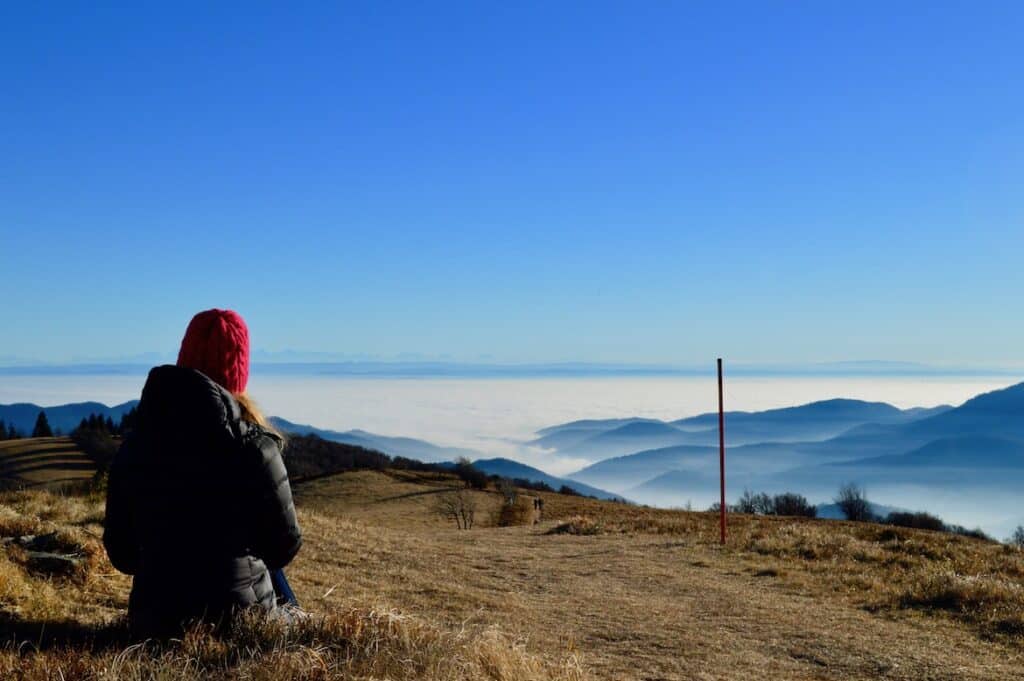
column 252, row 414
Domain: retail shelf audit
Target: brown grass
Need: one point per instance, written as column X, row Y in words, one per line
column 356, row 644
column 624, row 592
column 73, row 626
column 645, row 593
column 520, row 512
column 876, row 566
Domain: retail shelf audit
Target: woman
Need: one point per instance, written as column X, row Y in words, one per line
column 198, row 501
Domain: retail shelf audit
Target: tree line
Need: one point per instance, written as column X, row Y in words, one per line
column 106, row 424
column 9, row 432
column 41, row 429
column 93, row 422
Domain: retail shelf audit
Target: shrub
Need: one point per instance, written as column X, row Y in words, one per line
column 920, row 521
column 519, row 512
column 791, row 503
column 535, row 485
column 976, row 533
column 853, row 502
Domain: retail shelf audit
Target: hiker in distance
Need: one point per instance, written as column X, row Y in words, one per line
column 199, row 508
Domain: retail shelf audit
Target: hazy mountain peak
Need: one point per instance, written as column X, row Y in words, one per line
column 1005, row 399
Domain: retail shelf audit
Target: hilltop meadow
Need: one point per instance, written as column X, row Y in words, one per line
column 593, row 590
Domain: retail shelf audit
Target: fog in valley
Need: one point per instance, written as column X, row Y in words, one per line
column 498, row 417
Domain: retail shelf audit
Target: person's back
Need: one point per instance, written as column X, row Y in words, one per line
column 198, row 502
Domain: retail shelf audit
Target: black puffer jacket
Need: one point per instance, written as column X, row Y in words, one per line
column 198, row 506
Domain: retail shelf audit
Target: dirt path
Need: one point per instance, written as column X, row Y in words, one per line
column 636, row 607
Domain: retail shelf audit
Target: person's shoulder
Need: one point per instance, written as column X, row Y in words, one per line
column 257, row 432
column 261, row 443
column 261, row 458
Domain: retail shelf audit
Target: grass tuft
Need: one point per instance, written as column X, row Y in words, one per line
column 578, row 525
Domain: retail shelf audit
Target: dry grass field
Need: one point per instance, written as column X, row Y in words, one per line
column 597, row 590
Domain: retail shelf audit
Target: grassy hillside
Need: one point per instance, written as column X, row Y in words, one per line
column 596, row 590
column 51, row 462
column 59, row 624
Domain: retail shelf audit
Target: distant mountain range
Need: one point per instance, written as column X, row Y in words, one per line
column 513, row 469
column 814, row 421
column 410, row 448
column 65, row 417
column 967, row 451
column 596, row 439
column 916, row 456
column 667, row 484
column 625, row 472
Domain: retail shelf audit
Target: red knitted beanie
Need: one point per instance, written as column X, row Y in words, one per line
column 217, row 343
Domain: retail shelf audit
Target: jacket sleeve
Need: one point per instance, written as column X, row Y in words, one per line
column 275, row 535
column 119, row 533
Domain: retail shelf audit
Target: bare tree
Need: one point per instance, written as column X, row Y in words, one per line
column 791, row 503
column 508, row 492
column 1017, row 538
column 458, row 505
column 470, row 475
column 755, row 503
column 852, row 500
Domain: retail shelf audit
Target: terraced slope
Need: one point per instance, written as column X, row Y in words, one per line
column 50, row 462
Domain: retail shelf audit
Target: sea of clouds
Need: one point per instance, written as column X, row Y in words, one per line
column 498, row 416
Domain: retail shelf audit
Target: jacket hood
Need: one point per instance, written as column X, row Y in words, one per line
column 181, row 406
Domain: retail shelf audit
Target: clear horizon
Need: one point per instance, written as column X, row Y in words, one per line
column 327, row 364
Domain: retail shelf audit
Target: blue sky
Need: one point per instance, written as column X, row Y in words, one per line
column 626, row 182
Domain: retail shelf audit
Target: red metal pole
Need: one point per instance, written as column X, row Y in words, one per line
column 721, row 448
